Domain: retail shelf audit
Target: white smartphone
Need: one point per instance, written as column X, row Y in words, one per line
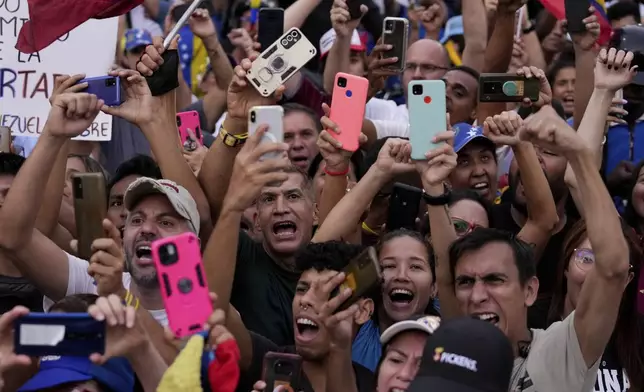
column 280, row 62
column 273, row 116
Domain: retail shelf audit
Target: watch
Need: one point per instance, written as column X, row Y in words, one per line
column 232, row 140
column 438, row 200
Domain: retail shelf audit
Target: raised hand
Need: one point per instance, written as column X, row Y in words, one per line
column 519, row 56
column 545, row 91
column 378, row 68
column 433, row 17
column 395, row 157
column 440, row 161
column 107, row 262
column 546, row 129
column 72, row 113
column 8, row 359
column 251, row 173
column 616, row 112
column 201, row 24
column 242, row 40
column 67, row 84
column 586, row 40
column 613, row 69
column 139, row 106
column 503, row 128
column 336, row 159
column 242, row 96
column 341, row 18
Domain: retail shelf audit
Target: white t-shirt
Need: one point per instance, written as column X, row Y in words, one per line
column 141, row 21
column 389, row 119
column 81, row 283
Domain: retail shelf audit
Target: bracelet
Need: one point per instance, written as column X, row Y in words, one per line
column 130, row 298
column 368, row 229
column 529, row 29
column 336, row 174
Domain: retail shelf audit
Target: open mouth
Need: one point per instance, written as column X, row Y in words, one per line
column 401, row 296
column 397, row 390
column 481, row 186
column 491, row 318
column 143, row 252
column 307, row 328
column 300, row 161
column 284, row 229
column 121, row 231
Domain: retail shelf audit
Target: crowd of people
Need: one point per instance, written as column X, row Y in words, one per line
column 522, row 273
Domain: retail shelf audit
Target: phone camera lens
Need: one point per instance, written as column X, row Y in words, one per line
column 168, row 254
column 389, row 25
column 342, row 82
column 492, row 87
column 110, row 82
column 252, row 116
column 417, row 89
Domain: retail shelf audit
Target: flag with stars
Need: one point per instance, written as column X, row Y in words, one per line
column 465, row 133
column 193, row 58
column 50, row 19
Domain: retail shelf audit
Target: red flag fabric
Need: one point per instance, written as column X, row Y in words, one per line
column 558, row 10
column 223, row 372
column 51, row 19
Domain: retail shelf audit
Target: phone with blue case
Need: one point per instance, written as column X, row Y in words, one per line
column 107, row 88
column 427, row 115
column 63, row 334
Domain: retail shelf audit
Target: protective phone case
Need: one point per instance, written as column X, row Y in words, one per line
column 282, row 370
column 189, row 120
column 270, row 27
column 183, row 283
column 64, row 334
column 107, row 88
column 395, row 32
column 347, row 108
column 5, row 139
column 403, row 207
column 280, row 61
column 427, row 114
column 500, row 87
column 362, row 274
column 273, row 116
column 90, row 206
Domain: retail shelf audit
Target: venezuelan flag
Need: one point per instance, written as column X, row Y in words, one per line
column 558, row 9
column 193, row 59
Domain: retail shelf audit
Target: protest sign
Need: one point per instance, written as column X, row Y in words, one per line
column 27, row 80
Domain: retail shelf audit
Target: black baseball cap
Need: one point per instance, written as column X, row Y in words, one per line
column 465, row 355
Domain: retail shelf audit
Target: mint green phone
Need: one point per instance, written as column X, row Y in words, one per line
column 427, row 115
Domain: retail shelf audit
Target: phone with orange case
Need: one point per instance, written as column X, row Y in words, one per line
column 347, row 109
column 183, row 283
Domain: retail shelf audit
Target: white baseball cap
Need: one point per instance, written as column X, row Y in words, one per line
column 179, row 197
column 327, row 40
column 427, row 324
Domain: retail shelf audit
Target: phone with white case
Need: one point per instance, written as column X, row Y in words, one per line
column 279, row 62
column 273, row 116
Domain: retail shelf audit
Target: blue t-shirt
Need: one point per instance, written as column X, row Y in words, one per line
column 366, row 349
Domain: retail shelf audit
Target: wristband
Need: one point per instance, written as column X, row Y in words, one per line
column 336, row 174
column 529, row 29
column 131, row 300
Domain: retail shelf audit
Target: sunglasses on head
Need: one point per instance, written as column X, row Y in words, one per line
column 463, row 227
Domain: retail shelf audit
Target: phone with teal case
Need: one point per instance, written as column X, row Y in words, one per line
column 427, row 115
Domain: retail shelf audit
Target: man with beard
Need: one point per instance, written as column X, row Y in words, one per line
column 511, row 214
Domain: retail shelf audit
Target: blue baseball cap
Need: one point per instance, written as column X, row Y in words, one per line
column 116, row 374
column 137, row 37
column 465, row 133
column 453, row 28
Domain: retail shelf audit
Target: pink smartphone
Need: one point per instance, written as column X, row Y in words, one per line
column 347, row 109
column 183, row 283
column 189, row 120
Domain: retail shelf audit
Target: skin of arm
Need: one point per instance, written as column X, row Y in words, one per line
column 475, row 31
column 335, row 188
column 337, row 61
column 152, row 8
column 601, row 294
column 184, row 94
column 214, row 103
column 47, row 219
column 340, row 376
column 296, row 13
column 148, row 365
column 542, row 211
column 584, row 82
column 370, row 131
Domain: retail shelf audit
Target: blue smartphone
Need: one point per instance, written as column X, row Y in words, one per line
column 63, row 334
column 427, row 115
column 107, row 88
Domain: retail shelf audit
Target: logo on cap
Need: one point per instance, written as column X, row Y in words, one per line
column 167, row 184
column 437, row 353
column 440, row 355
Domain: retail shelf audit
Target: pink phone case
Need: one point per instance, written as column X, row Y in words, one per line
column 183, row 283
column 347, row 109
column 189, row 120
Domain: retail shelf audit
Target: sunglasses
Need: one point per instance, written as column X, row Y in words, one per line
column 463, row 227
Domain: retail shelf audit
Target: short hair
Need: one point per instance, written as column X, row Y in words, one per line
column 90, row 164
column 468, row 70
column 480, row 237
column 329, row 255
column 307, row 182
column 76, row 303
column 622, row 9
column 292, row 107
column 10, row 163
column 563, row 61
column 139, row 165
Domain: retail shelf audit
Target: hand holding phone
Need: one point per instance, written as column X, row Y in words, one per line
column 361, row 275
column 427, row 115
column 273, row 116
column 395, row 32
column 90, row 207
column 282, row 370
column 507, row 88
column 187, row 122
column 576, row 12
column 347, row 109
column 108, row 88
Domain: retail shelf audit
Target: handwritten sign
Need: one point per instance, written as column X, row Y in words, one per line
column 27, row 80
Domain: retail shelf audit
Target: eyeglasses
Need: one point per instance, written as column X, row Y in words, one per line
column 424, row 68
column 463, row 227
column 584, row 258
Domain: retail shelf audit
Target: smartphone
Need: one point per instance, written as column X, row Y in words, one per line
column 507, row 88
column 5, row 139
column 273, row 116
column 282, row 370
column 427, row 115
column 354, row 9
column 189, row 120
column 362, row 275
column 90, row 208
column 347, row 109
column 183, row 283
column 279, row 62
column 576, row 12
column 63, row 334
column 395, row 32
column 270, row 26
column 107, row 88
column 404, row 205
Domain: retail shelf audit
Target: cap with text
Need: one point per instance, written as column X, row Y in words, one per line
column 181, row 200
column 465, row 355
column 420, row 323
column 327, row 40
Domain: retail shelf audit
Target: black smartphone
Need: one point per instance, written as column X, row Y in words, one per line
column 270, row 26
column 395, row 32
column 354, row 9
column 282, row 371
column 507, row 88
column 576, row 12
column 404, row 205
